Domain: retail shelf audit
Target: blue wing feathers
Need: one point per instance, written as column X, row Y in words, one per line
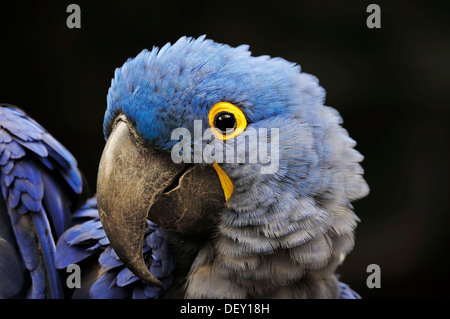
column 88, row 239
column 33, row 166
column 4, row 157
column 47, row 248
column 57, row 204
column 4, row 138
column 67, row 255
column 15, row 150
column 27, row 170
column 106, row 288
column 26, row 240
column 125, row 277
column 13, row 198
column 6, row 169
column 36, row 147
column 27, row 187
column 87, row 213
column 73, row 179
column 29, row 203
column 37, row 290
column 109, row 260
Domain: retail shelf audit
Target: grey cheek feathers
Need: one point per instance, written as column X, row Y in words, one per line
column 288, row 245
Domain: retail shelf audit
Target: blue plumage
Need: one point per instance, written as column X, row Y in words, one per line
column 346, row 292
column 88, row 239
column 166, row 88
column 30, row 161
column 282, row 228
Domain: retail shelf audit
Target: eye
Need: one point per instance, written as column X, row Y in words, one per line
column 226, row 120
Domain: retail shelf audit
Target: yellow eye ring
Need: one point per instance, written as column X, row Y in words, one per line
column 226, row 120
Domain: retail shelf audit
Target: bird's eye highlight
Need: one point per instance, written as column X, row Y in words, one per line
column 226, row 120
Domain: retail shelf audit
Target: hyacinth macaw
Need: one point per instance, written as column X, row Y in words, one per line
column 199, row 228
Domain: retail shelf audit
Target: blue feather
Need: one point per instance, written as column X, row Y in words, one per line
column 27, row 170
column 36, row 147
column 22, row 209
column 30, row 203
column 5, row 138
column 155, row 239
column 87, row 213
column 24, row 233
column 4, row 158
column 19, row 125
column 8, row 179
column 57, row 205
column 25, row 186
column 67, row 254
column 38, row 282
column 109, row 260
column 73, row 178
column 346, row 292
column 104, row 241
column 15, row 150
column 47, row 248
column 77, row 243
column 13, row 197
column 88, row 238
column 6, row 169
column 79, row 235
column 54, row 150
column 125, row 277
column 48, row 162
column 106, row 288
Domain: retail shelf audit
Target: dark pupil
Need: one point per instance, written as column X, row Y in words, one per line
column 225, row 122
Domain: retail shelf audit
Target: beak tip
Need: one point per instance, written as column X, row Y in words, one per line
column 150, row 279
column 139, row 268
column 155, row 282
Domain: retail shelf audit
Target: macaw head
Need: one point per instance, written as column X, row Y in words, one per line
column 206, row 140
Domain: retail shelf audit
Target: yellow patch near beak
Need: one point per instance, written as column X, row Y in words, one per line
column 227, row 185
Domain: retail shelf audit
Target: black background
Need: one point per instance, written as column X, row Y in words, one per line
column 391, row 85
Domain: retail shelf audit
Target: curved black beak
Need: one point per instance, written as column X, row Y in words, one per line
column 136, row 182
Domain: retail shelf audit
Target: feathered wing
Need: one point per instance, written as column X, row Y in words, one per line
column 39, row 182
column 108, row 278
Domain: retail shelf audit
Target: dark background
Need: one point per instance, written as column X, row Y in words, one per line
column 391, row 86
